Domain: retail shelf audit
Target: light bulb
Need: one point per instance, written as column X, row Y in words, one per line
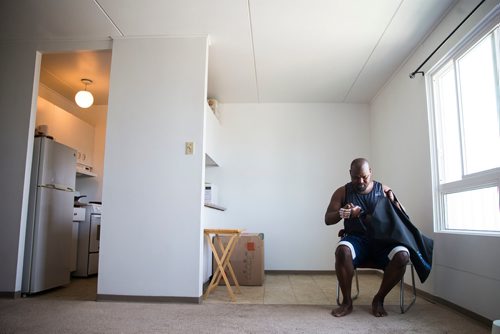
column 84, row 99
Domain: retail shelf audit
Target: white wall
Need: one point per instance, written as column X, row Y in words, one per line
column 465, row 269
column 18, row 65
column 280, row 164
column 151, row 236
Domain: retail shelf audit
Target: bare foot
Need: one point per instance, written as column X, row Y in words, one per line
column 378, row 307
column 342, row 310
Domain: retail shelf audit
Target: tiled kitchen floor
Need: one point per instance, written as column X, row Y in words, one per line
column 78, row 289
column 304, row 289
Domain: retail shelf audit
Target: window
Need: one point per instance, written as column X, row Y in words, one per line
column 464, row 109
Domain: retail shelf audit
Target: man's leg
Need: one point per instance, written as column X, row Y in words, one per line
column 345, row 271
column 392, row 275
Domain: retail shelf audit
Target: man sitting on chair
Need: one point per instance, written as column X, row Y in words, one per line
column 355, row 203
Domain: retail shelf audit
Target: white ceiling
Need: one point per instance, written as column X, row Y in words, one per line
column 261, row 50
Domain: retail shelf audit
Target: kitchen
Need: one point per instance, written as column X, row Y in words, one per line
column 59, row 119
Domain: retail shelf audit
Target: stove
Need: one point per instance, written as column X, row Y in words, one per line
column 89, row 235
column 94, row 208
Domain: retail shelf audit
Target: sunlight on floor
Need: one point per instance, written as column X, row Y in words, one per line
column 300, row 289
column 295, row 289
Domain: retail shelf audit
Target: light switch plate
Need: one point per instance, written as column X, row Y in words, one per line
column 189, row 148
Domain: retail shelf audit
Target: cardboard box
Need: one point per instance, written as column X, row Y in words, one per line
column 247, row 259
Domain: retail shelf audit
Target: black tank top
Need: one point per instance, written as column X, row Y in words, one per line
column 367, row 203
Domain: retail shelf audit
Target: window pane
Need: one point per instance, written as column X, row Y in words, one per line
column 447, row 126
column 479, row 108
column 473, row 210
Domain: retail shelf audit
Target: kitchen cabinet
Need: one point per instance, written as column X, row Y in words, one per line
column 89, row 232
column 67, row 129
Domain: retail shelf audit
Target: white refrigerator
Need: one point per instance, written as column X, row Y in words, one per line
column 50, row 216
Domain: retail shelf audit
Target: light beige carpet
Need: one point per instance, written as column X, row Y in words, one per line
column 284, row 304
column 39, row 315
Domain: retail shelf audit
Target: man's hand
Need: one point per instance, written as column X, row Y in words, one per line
column 350, row 211
column 389, row 194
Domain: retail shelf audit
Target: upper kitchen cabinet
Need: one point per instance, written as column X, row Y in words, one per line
column 68, row 130
column 212, row 127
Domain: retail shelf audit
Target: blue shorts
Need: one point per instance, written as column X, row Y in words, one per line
column 365, row 250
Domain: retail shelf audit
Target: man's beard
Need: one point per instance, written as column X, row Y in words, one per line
column 360, row 187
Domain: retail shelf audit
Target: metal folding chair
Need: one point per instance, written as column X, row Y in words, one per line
column 402, row 305
column 401, row 284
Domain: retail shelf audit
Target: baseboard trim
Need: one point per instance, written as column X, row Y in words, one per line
column 10, row 294
column 147, row 299
column 438, row 300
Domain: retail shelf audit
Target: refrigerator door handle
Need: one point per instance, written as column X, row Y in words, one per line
column 58, row 187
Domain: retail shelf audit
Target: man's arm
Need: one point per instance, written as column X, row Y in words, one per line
column 388, row 192
column 336, row 212
column 332, row 215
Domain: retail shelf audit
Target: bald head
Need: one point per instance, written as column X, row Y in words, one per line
column 359, row 163
column 361, row 175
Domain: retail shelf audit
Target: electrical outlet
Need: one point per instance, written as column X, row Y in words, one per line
column 189, row 147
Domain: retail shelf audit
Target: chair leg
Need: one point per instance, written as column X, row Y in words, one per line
column 357, row 285
column 357, row 288
column 402, row 292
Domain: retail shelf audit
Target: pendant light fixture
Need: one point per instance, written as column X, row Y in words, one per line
column 84, row 98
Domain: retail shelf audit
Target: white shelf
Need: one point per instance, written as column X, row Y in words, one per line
column 210, row 162
column 215, row 206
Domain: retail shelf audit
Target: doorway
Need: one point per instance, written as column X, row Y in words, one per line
column 59, row 117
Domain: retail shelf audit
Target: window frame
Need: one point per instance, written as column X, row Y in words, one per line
column 472, row 181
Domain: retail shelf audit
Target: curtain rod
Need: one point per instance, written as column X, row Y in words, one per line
column 412, row 74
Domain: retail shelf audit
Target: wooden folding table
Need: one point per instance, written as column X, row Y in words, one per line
column 222, row 256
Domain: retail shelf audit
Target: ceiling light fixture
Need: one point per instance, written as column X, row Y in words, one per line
column 84, row 98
